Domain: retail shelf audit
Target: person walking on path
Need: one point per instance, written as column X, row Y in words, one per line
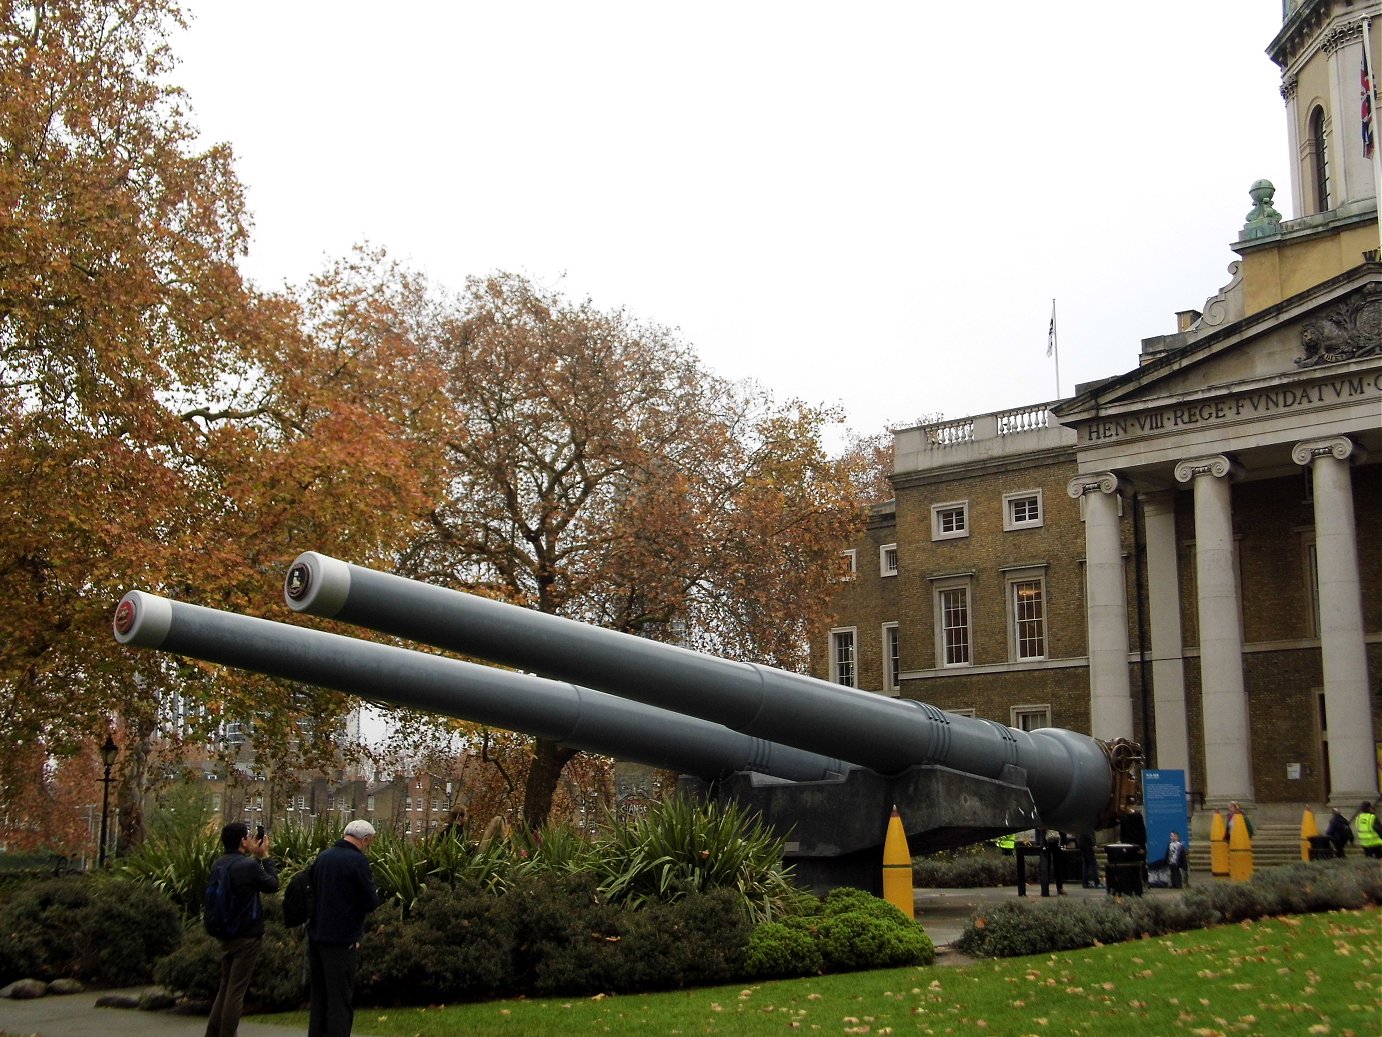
column 1368, row 837
column 249, row 871
column 1236, row 814
column 343, row 893
column 1338, row 832
column 1176, row 862
column 1089, row 861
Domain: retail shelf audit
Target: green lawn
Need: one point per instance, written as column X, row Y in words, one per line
column 1300, row 975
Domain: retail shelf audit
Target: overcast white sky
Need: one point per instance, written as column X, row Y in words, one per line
column 870, row 204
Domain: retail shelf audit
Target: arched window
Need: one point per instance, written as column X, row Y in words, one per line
column 1319, row 150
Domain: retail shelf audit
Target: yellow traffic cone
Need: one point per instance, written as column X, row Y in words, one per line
column 1308, row 830
column 1239, row 851
column 897, row 868
column 1218, row 846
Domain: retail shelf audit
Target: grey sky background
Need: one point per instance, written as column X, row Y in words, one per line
column 869, row 204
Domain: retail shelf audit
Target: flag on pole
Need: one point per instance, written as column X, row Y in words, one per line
column 1366, row 84
column 1051, row 332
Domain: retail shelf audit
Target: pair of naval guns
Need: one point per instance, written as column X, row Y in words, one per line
column 822, row 764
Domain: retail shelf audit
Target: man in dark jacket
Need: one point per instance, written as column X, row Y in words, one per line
column 252, row 871
column 343, row 892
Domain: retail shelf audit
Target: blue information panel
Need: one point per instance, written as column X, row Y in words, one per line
column 1163, row 794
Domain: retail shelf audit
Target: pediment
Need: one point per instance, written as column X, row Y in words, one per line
column 1333, row 328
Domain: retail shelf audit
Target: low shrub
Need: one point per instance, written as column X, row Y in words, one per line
column 1019, row 927
column 698, row 941
column 455, row 945
column 778, row 950
column 977, row 867
column 93, row 929
column 279, row 982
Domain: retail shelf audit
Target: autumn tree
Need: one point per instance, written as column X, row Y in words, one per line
column 162, row 424
column 599, row 472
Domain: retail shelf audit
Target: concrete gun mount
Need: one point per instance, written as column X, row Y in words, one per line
column 823, row 764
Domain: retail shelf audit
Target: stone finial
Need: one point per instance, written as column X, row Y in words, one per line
column 1263, row 220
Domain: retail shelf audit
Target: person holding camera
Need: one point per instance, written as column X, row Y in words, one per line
column 233, row 914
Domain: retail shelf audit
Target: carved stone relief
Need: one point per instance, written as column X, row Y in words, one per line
column 1351, row 330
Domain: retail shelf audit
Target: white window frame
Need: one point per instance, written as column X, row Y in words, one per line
column 1019, row 716
column 849, row 563
column 1010, row 500
column 884, row 568
column 892, row 658
column 1310, row 566
column 944, row 508
column 964, row 711
column 836, row 635
column 1011, row 580
column 939, row 588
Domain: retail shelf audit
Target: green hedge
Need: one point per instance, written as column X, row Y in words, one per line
column 1040, row 926
column 92, row 928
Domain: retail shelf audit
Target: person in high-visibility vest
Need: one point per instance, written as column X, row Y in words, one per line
column 1006, row 843
column 1368, row 838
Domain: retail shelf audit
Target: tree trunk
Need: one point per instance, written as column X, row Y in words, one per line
column 548, row 760
column 131, row 790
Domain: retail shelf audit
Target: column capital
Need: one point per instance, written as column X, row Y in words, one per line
column 1097, row 482
column 1220, row 466
column 1340, row 447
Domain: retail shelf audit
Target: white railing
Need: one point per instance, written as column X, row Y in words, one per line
column 949, row 433
column 960, row 431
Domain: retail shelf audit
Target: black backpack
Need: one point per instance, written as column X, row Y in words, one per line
column 299, row 900
column 221, row 915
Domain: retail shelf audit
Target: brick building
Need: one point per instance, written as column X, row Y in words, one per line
column 1187, row 553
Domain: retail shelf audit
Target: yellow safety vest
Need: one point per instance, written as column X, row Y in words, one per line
column 1367, row 830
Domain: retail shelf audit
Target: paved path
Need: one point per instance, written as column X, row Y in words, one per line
column 944, row 914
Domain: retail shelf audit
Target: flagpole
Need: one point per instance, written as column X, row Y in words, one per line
column 1372, row 123
column 1052, row 347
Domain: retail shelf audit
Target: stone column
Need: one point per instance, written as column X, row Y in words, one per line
column 1110, row 696
column 1168, row 648
column 1352, row 766
column 1224, row 701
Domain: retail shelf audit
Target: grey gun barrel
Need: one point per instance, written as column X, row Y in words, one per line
column 1073, row 778
column 578, row 717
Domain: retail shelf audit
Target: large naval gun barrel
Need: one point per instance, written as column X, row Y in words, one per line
column 1074, row 782
column 578, row 717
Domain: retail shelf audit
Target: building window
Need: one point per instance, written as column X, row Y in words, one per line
column 1029, row 718
column 1319, row 154
column 1022, row 510
column 887, row 560
column 954, row 633
column 1312, row 586
column 964, row 712
column 892, row 658
column 1027, row 616
column 949, row 520
column 849, row 564
column 843, row 668
column 369, row 804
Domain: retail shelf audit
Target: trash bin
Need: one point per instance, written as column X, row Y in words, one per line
column 1321, row 849
column 1124, row 867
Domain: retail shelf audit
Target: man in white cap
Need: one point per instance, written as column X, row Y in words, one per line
column 343, row 892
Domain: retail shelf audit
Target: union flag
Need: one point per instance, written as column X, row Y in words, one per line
column 1366, row 83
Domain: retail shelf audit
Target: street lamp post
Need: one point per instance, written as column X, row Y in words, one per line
column 108, row 752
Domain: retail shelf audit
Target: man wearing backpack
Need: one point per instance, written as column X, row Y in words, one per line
column 343, row 893
column 234, row 915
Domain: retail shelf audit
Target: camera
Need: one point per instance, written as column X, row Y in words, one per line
column 259, row 833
